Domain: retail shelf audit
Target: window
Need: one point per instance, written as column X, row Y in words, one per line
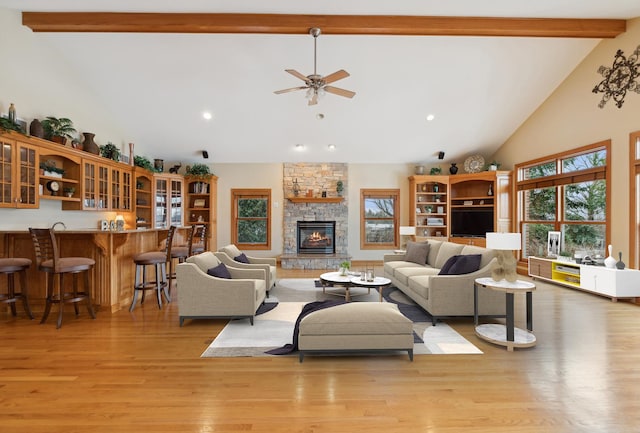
column 379, row 218
column 251, row 218
column 565, row 192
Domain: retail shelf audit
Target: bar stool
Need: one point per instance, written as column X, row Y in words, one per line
column 11, row 266
column 199, row 232
column 179, row 253
column 157, row 259
column 49, row 261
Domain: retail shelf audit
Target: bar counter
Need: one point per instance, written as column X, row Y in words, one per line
column 113, row 274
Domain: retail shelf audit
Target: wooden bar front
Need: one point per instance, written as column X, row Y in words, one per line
column 113, row 251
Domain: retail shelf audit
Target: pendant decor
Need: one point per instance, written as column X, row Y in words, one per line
column 619, row 78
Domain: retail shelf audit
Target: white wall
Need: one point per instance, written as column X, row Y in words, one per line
column 40, row 85
column 570, row 118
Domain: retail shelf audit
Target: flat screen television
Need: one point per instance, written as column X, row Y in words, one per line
column 471, row 222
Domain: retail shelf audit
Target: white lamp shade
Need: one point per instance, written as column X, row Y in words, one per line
column 407, row 231
column 504, row 241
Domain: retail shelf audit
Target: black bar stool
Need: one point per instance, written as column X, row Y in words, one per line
column 157, row 259
column 49, row 261
column 11, row 266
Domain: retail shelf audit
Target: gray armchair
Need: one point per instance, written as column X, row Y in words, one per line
column 227, row 255
column 202, row 296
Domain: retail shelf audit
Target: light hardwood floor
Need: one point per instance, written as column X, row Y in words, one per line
column 134, row 372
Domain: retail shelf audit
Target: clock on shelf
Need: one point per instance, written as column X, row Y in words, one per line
column 53, row 186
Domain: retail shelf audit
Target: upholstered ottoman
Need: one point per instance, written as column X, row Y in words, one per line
column 356, row 326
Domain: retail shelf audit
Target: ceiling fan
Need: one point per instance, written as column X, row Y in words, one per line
column 316, row 84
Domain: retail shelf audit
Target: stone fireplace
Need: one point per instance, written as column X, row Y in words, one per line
column 316, row 237
column 317, row 201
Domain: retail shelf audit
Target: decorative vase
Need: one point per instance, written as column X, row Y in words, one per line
column 36, row 129
column 620, row 263
column 610, row 262
column 490, row 192
column 131, row 155
column 158, row 164
column 419, row 169
column 88, row 145
column 296, row 188
column 453, row 169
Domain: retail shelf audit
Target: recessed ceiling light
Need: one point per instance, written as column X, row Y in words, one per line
column 430, row 117
column 207, row 115
column 299, row 147
column 319, row 116
column 331, row 147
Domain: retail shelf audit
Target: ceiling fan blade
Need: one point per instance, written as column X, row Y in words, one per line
column 314, row 99
column 339, row 91
column 296, row 74
column 277, row 92
column 338, row 75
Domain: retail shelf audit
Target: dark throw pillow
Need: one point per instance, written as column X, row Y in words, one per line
column 220, row 271
column 461, row 264
column 242, row 258
column 417, row 252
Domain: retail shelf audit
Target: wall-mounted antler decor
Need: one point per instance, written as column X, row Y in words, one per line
column 619, row 78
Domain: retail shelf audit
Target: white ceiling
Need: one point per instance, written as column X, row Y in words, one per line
column 480, row 89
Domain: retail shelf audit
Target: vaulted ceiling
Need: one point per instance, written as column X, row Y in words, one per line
column 480, row 78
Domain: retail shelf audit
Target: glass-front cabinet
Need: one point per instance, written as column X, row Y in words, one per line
column 18, row 174
column 168, row 201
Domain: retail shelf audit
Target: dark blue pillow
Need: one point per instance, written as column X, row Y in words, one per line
column 220, row 271
column 461, row 264
column 241, row 258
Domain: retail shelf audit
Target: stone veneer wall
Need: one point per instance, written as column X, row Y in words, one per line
column 317, row 177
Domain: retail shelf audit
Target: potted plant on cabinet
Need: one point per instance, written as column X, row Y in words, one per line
column 198, row 170
column 110, row 151
column 49, row 168
column 143, row 162
column 58, row 130
column 68, row 191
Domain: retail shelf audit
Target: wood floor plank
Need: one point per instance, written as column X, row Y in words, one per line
column 142, row 372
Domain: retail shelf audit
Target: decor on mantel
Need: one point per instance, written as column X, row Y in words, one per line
column 454, row 168
column 296, row 188
column 339, row 188
column 89, row 145
column 619, row 78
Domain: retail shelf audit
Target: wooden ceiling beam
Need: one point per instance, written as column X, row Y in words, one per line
column 108, row 22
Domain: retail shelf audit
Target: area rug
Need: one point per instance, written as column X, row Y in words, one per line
column 274, row 328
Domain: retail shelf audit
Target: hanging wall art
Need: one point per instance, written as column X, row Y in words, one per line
column 619, row 78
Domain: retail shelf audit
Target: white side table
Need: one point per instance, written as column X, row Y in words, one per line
column 506, row 335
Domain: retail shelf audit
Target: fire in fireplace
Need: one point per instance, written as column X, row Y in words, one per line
column 316, row 237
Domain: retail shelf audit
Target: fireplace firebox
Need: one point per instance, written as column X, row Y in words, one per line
column 316, row 237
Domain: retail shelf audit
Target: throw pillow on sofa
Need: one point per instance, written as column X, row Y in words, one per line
column 220, row 271
column 242, row 258
column 461, row 264
column 417, row 252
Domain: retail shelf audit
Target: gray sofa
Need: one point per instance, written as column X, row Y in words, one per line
column 444, row 295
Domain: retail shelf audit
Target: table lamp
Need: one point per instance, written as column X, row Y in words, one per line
column 406, row 231
column 504, row 244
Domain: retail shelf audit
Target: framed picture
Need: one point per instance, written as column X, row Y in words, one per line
column 199, row 202
column 554, row 243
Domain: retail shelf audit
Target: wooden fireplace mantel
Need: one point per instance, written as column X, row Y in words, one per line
column 315, row 199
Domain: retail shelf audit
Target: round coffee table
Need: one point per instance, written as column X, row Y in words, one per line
column 330, row 279
column 377, row 283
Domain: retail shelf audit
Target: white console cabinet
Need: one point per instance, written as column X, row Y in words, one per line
column 613, row 283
